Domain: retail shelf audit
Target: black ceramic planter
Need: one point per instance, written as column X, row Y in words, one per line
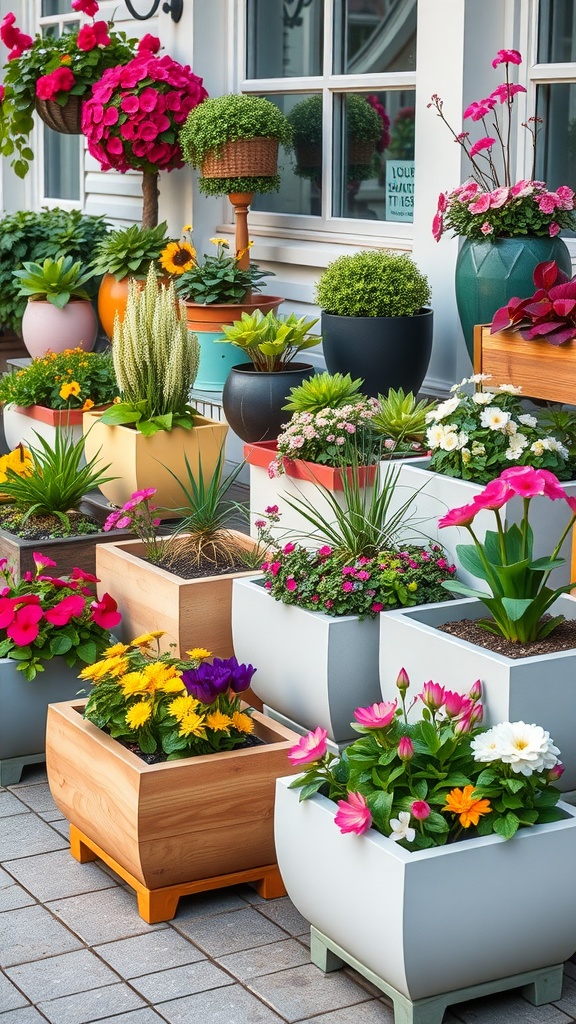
column 387, row 352
column 253, row 400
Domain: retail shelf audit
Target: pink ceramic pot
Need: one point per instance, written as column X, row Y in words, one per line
column 45, row 327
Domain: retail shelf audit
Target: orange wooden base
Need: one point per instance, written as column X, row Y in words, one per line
column 155, row 905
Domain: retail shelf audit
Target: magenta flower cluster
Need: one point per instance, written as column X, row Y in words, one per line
column 135, row 112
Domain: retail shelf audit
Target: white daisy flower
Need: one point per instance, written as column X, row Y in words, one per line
column 447, row 408
column 527, row 420
column 434, row 435
column 401, row 828
column 509, row 389
column 449, row 442
column 479, row 378
column 538, row 448
column 482, row 397
column 494, row 418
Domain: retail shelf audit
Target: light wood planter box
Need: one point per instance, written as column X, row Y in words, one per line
column 540, row 369
column 193, row 613
column 173, row 828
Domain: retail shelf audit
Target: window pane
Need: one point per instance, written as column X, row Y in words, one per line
column 556, row 36
column 61, row 165
column 284, row 38
column 556, row 147
column 374, row 156
column 300, row 170
column 374, row 36
column 51, row 8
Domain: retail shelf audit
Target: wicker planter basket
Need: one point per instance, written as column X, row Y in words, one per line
column 67, row 119
column 360, row 153
column 243, row 158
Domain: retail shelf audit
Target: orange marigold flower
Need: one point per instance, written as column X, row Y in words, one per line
column 88, row 404
column 462, row 802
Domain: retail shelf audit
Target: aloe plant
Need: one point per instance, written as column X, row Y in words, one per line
column 55, row 281
column 271, row 341
column 401, row 417
column 324, row 391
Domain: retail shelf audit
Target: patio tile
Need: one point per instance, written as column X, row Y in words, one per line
column 97, row 1004
column 31, row 933
column 53, row 876
column 181, row 981
column 38, row 797
column 10, row 804
column 27, row 1015
column 276, row 957
column 229, row 933
column 302, row 991
column 508, row 1008
column 374, row 1012
column 21, row 832
column 62, row 975
column 205, row 904
column 102, row 916
column 10, row 997
column 144, row 954
column 230, row 1005
column 13, row 896
column 568, row 1001
column 284, row 913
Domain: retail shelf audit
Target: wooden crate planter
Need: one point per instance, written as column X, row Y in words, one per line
column 173, row 828
column 540, row 369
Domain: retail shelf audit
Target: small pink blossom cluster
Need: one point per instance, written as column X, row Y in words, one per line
column 132, row 510
column 323, row 436
column 133, row 116
column 478, row 207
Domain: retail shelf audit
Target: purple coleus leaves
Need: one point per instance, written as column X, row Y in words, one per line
column 549, row 314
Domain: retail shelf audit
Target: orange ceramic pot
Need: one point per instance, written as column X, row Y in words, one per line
column 112, row 299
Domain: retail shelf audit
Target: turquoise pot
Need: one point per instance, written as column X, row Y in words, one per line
column 491, row 272
column 216, row 360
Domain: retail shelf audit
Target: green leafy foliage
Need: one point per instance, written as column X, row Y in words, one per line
column 129, row 251
column 402, row 419
column 219, row 279
column 323, row 391
column 55, row 281
column 269, row 340
column 362, row 125
column 374, row 282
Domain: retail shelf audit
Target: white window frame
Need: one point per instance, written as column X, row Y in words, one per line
column 328, row 228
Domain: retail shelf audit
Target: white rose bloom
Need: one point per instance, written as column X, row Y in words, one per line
column 526, row 748
column 447, row 408
column 482, row 397
column 537, row 447
column 494, row 418
column 552, row 444
column 519, row 441
column 401, row 828
column 527, row 420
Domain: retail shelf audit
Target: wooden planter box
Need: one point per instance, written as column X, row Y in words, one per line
column 172, row 828
column 193, row 613
column 540, row 369
column 67, row 552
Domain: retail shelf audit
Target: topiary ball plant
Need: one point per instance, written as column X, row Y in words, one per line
column 374, row 282
column 226, row 119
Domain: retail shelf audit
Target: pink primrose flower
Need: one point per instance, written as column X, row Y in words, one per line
column 24, row 629
column 507, row 57
column 433, row 695
column 459, row 516
column 529, row 482
column 105, row 612
column 291, row 584
column 274, row 568
column 486, row 228
column 475, row 691
column 66, row 609
column 421, row 810
column 311, row 747
column 486, row 143
column 353, row 815
column 377, row 716
column 376, row 607
column 405, row 749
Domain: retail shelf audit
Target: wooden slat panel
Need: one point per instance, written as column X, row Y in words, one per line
column 542, row 370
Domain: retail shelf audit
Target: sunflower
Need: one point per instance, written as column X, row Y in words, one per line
column 178, row 257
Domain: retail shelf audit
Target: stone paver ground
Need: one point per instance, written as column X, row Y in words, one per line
column 73, row 948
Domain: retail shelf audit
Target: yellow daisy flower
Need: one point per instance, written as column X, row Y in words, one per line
column 242, row 722
column 199, row 653
column 72, row 388
column 146, row 638
column 172, row 686
column 115, row 649
column 157, row 675
column 178, row 257
column 138, row 715
column 131, row 683
column 220, row 241
column 218, row 721
column 187, row 227
column 192, row 724
column 182, row 705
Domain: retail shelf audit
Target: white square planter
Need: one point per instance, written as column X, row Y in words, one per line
column 381, row 902
column 437, row 494
column 539, row 689
column 314, row 669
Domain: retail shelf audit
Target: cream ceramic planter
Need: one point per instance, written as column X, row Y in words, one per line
column 437, row 494
column 313, row 669
column 192, row 613
column 138, row 461
column 45, row 328
column 375, row 900
column 537, row 689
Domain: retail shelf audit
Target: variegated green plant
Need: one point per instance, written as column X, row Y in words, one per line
column 155, row 360
column 271, row 341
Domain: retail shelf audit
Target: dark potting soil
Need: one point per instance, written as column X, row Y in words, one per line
column 190, row 569
column 158, row 757
column 46, row 527
column 562, row 639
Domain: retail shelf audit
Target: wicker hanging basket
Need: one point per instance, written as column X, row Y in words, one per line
column 67, row 119
column 243, row 158
column 360, row 153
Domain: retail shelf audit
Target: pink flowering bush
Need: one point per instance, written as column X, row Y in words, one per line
column 54, row 68
column 319, row 581
column 325, row 436
column 137, row 514
column 549, row 314
column 490, row 205
column 437, row 780
column 518, row 595
column 43, row 617
column 135, row 112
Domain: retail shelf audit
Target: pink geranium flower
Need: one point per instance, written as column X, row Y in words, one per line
column 89, row 7
column 507, row 57
column 486, row 143
column 377, row 716
column 311, row 747
column 66, row 609
column 353, row 815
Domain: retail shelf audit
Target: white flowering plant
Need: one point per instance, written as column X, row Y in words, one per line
column 438, row 780
column 474, row 435
column 325, row 436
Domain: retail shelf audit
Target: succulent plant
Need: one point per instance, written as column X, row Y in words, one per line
column 55, row 281
column 270, row 341
column 128, row 252
column 401, row 417
column 324, row 391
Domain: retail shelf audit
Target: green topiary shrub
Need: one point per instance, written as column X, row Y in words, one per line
column 374, row 282
column 362, row 125
column 27, row 236
column 224, row 119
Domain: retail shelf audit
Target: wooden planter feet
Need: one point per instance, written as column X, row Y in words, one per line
column 155, row 905
column 538, row 987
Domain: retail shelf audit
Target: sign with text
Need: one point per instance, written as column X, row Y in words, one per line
column 400, row 190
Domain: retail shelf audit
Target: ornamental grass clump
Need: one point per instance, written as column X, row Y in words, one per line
column 374, row 282
column 169, row 707
column 155, row 360
column 474, row 436
column 72, row 379
column 44, row 617
column 438, row 780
